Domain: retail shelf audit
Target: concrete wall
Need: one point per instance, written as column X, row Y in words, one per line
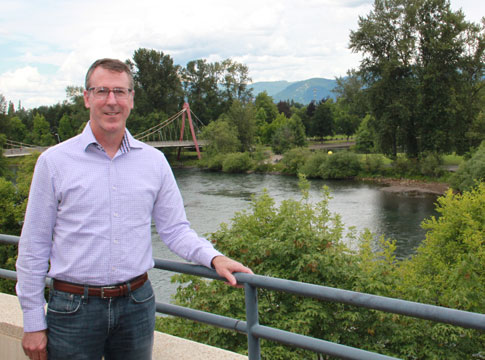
column 166, row 347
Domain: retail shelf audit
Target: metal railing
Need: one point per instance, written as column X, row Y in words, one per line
column 255, row 331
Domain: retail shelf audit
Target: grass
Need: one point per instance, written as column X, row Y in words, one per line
column 452, row 159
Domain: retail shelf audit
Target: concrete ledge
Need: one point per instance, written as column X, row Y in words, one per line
column 166, row 347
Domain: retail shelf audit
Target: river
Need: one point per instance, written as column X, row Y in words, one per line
column 212, row 198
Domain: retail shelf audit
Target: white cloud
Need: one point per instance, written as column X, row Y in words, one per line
column 276, row 39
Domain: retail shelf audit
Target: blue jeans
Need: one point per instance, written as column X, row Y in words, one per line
column 82, row 328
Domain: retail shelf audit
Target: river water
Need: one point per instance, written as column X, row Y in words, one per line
column 212, row 198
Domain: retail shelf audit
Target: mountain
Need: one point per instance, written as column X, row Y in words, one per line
column 300, row 91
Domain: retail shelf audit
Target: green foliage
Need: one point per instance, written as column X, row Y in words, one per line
column 301, row 240
column 237, row 163
column 157, row 82
column 312, row 164
column 364, row 137
column 322, row 122
column 419, row 66
column 373, row 165
column 290, row 133
column 404, row 167
column 431, row 164
column 340, row 165
column 470, row 172
column 222, row 137
column 293, row 159
column 243, row 118
column 11, row 216
column 265, row 102
column 41, row 133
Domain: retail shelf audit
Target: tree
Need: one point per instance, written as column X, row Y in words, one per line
column 322, row 121
column 243, row 118
column 284, row 107
column 265, row 102
column 234, row 81
column 200, row 81
column 41, row 133
column 289, row 134
column 65, row 129
column 157, row 82
column 346, row 123
column 423, row 68
column 351, row 94
column 364, row 138
column 222, row 137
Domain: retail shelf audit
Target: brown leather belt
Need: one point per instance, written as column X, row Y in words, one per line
column 101, row 291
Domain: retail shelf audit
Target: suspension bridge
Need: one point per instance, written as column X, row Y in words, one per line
column 178, row 131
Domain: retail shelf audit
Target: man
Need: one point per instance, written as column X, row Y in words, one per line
column 90, row 208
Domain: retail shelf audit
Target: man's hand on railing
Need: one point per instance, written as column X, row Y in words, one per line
column 35, row 345
column 225, row 266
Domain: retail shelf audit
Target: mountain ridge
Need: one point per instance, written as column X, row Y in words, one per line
column 303, row 91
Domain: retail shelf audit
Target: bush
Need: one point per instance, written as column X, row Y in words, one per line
column 470, row 172
column 311, row 167
column 431, row 164
column 237, row 163
column 212, row 162
column 302, row 241
column 340, row 165
column 373, row 164
column 293, row 159
column 403, row 166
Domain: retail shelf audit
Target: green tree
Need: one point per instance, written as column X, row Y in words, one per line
column 265, row 102
column 364, row 138
column 322, row 121
column 243, row 118
column 65, row 129
column 222, row 137
column 157, row 82
column 200, row 81
column 16, row 129
column 234, row 80
column 346, row 123
column 41, row 132
column 351, row 95
column 289, row 134
column 423, row 71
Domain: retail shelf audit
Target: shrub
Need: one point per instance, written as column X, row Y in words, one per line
column 237, row 163
column 373, row 164
column 403, row 166
column 293, row 159
column 470, row 172
column 431, row 165
column 212, row 162
column 311, row 167
column 340, row 165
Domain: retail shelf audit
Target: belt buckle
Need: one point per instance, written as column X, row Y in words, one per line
column 106, row 288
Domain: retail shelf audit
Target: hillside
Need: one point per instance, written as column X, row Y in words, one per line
column 300, row 91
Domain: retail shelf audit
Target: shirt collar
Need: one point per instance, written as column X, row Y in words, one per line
column 127, row 143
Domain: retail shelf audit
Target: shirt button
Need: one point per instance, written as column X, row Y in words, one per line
column 115, row 214
column 116, row 241
column 113, row 187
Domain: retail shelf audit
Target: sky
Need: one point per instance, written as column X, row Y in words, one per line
column 47, row 45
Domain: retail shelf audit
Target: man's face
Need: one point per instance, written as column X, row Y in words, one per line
column 108, row 116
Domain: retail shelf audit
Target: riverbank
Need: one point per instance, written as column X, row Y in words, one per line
column 409, row 186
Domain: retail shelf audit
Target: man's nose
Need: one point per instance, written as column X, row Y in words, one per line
column 111, row 99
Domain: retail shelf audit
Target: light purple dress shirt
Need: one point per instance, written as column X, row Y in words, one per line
column 90, row 216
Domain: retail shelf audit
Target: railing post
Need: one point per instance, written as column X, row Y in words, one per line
column 251, row 298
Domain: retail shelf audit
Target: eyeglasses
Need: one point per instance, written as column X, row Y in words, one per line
column 102, row 93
